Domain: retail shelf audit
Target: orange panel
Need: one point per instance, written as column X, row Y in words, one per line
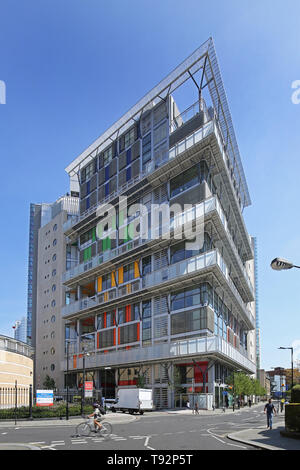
column 136, row 269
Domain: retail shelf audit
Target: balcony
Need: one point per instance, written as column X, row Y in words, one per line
column 208, row 207
column 160, row 280
column 214, row 347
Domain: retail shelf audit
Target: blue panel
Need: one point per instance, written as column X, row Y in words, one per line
column 128, row 173
column 107, row 173
column 128, row 156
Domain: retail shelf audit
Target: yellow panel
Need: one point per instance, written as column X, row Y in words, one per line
column 113, row 279
column 136, row 269
column 121, row 275
column 99, row 282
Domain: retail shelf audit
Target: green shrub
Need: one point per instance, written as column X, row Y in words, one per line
column 38, row 412
column 295, row 394
column 292, row 417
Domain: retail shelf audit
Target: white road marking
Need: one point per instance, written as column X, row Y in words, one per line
column 235, row 445
column 147, row 442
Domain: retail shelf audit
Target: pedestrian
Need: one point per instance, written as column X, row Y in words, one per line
column 269, row 410
column 249, row 402
column 188, row 405
column 281, row 405
column 196, row 409
column 239, row 403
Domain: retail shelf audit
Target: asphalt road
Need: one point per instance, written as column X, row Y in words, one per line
column 153, row 431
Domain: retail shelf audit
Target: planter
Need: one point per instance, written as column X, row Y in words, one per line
column 292, row 417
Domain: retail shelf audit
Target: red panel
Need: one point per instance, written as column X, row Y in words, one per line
column 127, row 382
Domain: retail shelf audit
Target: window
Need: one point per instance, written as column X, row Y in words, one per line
column 54, row 272
column 52, row 367
column 121, row 315
column 106, row 281
column 184, row 181
column 54, row 257
column 128, row 272
column 52, row 351
column 53, row 287
column 146, row 148
column 128, row 334
column 107, row 155
column 53, row 318
column 53, row 303
column 129, row 137
column 55, row 228
column 146, row 265
column 191, row 320
column 146, row 308
column 54, row 242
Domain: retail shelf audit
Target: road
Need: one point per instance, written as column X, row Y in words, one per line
column 152, row 431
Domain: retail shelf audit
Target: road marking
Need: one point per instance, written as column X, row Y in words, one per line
column 147, row 442
column 235, row 445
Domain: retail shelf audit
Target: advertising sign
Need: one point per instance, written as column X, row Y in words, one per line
column 88, row 389
column 44, row 398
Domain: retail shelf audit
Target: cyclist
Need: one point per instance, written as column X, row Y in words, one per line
column 98, row 411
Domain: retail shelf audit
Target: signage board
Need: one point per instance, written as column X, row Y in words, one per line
column 44, row 398
column 88, row 389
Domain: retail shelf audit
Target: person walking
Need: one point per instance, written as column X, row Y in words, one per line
column 269, row 410
column 196, row 409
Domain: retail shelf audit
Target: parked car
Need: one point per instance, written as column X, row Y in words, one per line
column 109, row 403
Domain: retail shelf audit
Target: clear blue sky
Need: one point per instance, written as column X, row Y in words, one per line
column 73, row 67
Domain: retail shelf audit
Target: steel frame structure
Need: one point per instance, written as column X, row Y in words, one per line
column 202, row 59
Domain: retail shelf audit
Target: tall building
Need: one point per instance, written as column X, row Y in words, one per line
column 163, row 295
column 49, row 259
column 20, row 330
column 39, row 215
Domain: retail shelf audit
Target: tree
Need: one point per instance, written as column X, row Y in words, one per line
column 243, row 385
column 49, row 383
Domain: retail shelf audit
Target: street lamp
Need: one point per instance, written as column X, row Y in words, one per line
column 280, row 264
column 67, row 380
column 233, row 391
column 83, row 379
column 292, row 354
column 105, row 368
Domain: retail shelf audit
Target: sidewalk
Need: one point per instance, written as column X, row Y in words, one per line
column 266, row 439
column 219, row 411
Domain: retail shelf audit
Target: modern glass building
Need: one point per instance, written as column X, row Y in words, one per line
column 163, row 291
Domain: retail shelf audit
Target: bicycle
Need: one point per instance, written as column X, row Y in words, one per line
column 87, row 428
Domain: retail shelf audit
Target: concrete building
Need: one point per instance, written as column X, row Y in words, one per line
column 148, row 306
column 52, row 259
column 265, row 381
column 16, row 369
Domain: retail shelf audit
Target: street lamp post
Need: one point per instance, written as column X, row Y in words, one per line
column 83, row 380
column 280, row 264
column 292, row 362
column 67, row 380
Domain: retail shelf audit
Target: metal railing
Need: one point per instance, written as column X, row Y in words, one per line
column 155, row 278
column 178, row 349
